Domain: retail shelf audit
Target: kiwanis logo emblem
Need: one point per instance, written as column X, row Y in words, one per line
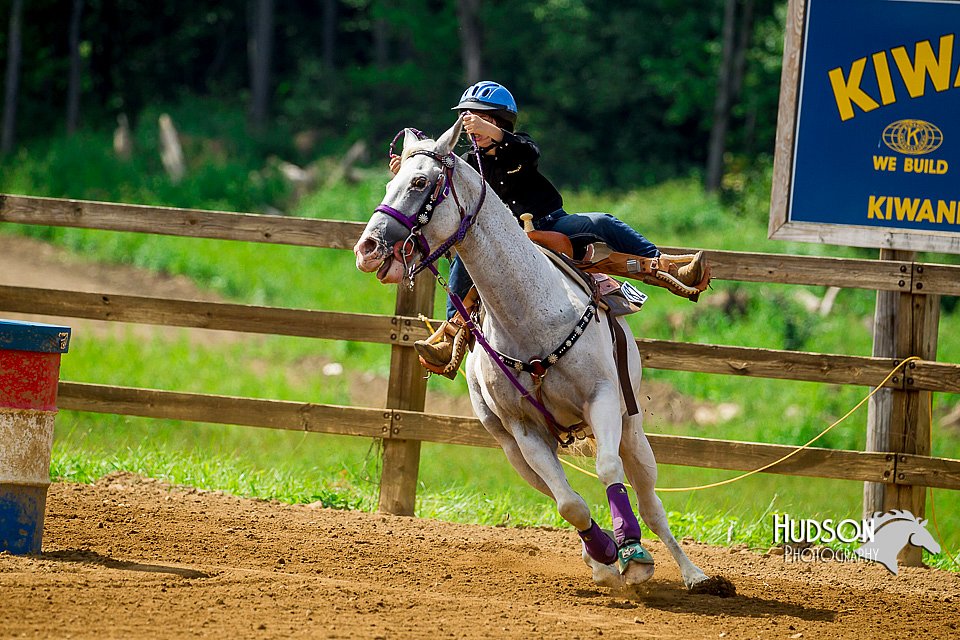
column 912, row 137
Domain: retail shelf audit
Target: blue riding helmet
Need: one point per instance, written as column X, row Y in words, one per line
column 491, row 97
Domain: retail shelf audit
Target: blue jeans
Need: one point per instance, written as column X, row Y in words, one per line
column 587, row 228
column 459, row 283
column 582, row 229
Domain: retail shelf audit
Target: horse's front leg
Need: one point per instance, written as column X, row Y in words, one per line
column 535, row 459
column 605, row 418
column 641, row 468
column 540, row 456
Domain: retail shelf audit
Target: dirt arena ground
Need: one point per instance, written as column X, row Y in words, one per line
column 135, row 558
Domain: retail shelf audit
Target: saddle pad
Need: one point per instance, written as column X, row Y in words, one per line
column 613, row 298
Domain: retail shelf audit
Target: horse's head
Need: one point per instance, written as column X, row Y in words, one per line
column 414, row 207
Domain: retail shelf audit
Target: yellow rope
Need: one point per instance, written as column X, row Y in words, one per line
column 775, row 462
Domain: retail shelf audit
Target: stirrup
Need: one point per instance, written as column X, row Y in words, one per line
column 686, row 275
column 678, row 273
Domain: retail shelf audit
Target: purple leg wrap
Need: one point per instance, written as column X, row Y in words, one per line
column 625, row 525
column 598, row 544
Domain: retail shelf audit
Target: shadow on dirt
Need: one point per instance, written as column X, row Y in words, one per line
column 674, row 597
column 84, row 556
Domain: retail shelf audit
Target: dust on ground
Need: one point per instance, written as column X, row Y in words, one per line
column 134, row 557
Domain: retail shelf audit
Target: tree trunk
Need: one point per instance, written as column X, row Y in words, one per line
column 471, row 39
column 171, row 152
column 381, row 43
column 73, row 88
column 745, row 30
column 329, row 34
column 260, row 51
column 13, row 79
column 723, row 101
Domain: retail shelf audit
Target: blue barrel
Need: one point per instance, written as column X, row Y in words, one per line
column 29, row 375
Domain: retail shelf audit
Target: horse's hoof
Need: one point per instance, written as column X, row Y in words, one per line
column 607, row 576
column 631, row 552
column 604, row 575
column 715, row 586
column 635, row 563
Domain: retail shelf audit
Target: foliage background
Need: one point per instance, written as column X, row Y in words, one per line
column 619, row 93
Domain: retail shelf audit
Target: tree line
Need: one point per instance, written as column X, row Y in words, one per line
column 617, row 93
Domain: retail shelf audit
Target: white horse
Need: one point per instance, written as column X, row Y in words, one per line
column 531, row 309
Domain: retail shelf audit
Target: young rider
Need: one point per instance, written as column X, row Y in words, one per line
column 510, row 165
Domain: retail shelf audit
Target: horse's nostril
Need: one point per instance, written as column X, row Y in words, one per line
column 366, row 246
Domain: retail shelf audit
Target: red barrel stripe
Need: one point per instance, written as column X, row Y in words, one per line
column 28, row 380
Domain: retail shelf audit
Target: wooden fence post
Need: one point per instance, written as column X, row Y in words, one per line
column 879, row 410
column 905, row 324
column 917, row 329
column 407, row 390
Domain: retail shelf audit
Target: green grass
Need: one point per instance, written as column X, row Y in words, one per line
column 343, row 472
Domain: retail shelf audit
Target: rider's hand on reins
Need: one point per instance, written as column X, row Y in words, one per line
column 477, row 125
column 394, row 164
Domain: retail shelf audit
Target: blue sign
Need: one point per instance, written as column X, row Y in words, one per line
column 878, row 122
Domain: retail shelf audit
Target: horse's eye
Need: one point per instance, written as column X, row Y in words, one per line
column 419, row 183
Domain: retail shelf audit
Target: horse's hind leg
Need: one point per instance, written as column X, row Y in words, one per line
column 641, row 469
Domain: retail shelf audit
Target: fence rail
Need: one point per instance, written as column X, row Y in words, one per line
column 362, row 327
column 404, row 425
column 902, row 276
column 414, row 425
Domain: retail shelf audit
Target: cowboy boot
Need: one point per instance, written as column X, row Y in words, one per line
column 690, row 271
column 443, row 351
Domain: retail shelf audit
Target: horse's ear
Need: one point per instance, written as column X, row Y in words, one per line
column 448, row 140
column 410, row 137
column 923, row 523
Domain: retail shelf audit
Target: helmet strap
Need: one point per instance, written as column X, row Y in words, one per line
column 485, row 150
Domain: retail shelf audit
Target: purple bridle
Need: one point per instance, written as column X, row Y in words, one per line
column 415, row 222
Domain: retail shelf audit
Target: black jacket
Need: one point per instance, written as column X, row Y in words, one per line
column 514, row 175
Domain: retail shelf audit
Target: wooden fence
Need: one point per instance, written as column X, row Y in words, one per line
column 905, row 466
